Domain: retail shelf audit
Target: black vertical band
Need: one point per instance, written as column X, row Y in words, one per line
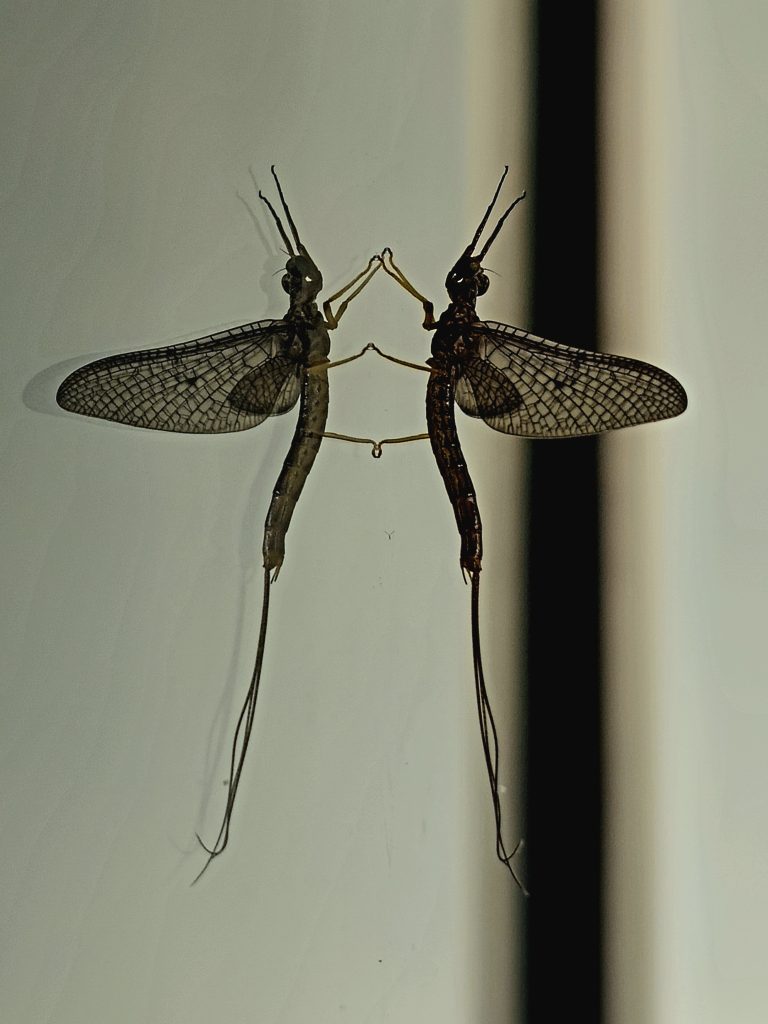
column 564, row 799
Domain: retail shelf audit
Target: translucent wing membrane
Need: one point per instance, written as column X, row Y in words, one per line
column 555, row 390
column 486, row 392
column 225, row 382
column 269, row 390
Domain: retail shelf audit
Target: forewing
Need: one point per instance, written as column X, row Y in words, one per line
column 570, row 392
column 185, row 388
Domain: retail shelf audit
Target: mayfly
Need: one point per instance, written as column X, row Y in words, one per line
column 519, row 384
column 231, row 381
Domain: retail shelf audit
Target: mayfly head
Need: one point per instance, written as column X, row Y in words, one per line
column 467, row 279
column 301, row 280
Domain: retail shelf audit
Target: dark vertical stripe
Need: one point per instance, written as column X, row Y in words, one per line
column 564, row 807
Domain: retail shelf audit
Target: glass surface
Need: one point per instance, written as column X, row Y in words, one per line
column 360, row 882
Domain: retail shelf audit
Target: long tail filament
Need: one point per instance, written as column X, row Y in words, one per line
column 241, row 738
column 488, row 733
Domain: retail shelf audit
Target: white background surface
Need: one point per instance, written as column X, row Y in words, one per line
column 360, row 883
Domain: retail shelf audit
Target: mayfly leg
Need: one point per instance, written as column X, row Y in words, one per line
column 396, row 273
column 331, row 318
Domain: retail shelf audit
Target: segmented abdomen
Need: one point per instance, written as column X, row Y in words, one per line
column 313, row 413
column 453, row 469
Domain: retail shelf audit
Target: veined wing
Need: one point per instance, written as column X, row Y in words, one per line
column 485, row 392
column 539, row 388
column 271, row 389
column 191, row 388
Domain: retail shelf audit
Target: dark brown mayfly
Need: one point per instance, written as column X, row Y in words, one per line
column 519, row 384
column 231, row 381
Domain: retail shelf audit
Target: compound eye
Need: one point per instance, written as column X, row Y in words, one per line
column 483, row 283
